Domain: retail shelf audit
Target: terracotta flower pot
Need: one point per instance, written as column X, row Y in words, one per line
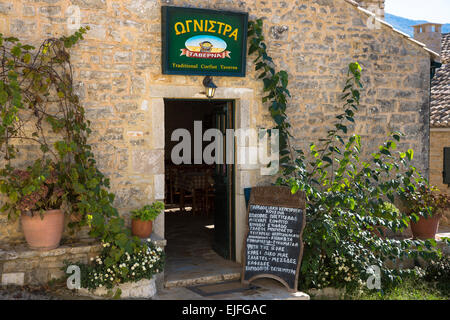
column 426, row 228
column 43, row 234
column 140, row 228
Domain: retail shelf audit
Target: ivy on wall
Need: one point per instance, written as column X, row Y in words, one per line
column 275, row 86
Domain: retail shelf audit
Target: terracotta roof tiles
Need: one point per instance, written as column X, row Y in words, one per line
column 440, row 89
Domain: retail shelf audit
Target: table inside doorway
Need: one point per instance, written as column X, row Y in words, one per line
column 201, row 186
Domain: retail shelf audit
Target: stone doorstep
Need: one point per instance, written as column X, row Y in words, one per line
column 202, row 280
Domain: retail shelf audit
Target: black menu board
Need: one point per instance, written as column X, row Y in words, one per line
column 273, row 245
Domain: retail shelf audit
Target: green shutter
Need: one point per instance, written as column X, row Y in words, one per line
column 446, row 172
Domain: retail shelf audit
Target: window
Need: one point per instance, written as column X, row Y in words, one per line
column 446, row 172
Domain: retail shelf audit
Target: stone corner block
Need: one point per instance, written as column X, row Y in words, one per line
column 16, row 278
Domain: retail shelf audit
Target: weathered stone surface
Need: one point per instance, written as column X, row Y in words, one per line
column 50, row 10
column 21, row 265
column 90, row 4
column 5, row 7
column 148, row 161
column 16, row 278
column 141, row 289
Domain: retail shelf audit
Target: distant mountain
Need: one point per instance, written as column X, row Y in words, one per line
column 405, row 25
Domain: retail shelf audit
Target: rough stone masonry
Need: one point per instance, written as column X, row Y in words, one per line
column 118, row 73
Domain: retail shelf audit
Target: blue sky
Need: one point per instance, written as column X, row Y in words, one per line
column 437, row 11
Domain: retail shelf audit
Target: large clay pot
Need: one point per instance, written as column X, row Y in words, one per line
column 426, row 228
column 43, row 234
column 140, row 228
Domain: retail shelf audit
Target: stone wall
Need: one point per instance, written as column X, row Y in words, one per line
column 119, row 80
column 20, row 265
column 439, row 138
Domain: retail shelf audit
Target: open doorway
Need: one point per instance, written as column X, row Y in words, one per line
column 199, row 216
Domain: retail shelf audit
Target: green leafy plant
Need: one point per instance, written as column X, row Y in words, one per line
column 37, row 93
column 439, row 273
column 275, row 86
column 148, row 212
column 425, row 201
column 33, row 190
column 346, row 190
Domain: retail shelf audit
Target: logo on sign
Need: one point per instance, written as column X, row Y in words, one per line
column 205, row 47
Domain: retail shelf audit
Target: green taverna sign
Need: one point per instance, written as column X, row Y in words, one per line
column 204, row 42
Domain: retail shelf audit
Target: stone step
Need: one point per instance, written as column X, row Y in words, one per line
column 210, row 279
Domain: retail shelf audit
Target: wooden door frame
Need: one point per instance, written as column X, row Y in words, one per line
column 231, row 192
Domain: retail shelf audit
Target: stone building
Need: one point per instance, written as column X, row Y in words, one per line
column 126, row 95
column 440, row 115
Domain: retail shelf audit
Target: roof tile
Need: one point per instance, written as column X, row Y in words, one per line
column 440, row 89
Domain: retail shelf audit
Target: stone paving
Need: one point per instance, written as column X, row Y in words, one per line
column 190, row 258
column 268, row 289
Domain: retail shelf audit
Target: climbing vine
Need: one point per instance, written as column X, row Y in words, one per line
column 39, row 106
column 275, row 86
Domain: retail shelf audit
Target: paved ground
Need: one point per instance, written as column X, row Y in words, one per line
column 190, row 258
column 25, row 293
column 262, row 289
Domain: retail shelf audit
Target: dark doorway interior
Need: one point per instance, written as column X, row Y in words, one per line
column 199, row 197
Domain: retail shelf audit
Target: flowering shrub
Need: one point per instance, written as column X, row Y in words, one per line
column 31, row 190
column 439, row 271
column 337, row 271
column 142, row 264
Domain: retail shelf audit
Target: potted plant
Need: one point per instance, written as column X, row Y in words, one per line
column 141, row 223
column 426, row 207
column 35, row 196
